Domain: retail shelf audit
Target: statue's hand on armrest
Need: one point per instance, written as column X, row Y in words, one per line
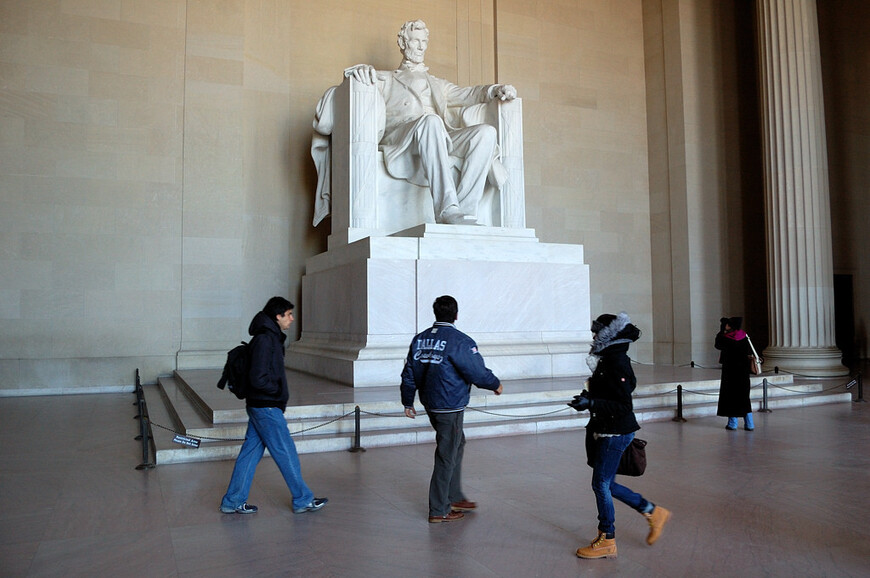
column 502, row 92
column 363, row 73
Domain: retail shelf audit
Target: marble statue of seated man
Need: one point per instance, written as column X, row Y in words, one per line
column 420, row 143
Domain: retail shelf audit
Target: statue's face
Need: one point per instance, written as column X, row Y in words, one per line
column 415, row 46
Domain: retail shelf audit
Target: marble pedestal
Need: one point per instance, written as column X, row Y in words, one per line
column 526, row 303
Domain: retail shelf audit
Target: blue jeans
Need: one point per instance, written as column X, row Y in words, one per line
column 267, row 428
column 609, row 451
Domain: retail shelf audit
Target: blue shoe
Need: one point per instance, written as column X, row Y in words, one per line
column 732, row 424
column 748, row 424
column 313, row 506
column 245, row 508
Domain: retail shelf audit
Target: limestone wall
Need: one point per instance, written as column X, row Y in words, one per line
column 706, row 180
column 156, row 182
column 156, row 177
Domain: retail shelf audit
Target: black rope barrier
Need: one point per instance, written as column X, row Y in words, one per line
column 144, row 429
column 474, row 409
column 823, row 390
column 213, row 439
column 765, row 385
column 560, row 410
column 356, row 447
column 357, row 412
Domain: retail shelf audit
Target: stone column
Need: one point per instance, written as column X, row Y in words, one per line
column 797, row 204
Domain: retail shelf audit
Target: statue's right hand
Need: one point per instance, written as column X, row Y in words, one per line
column 363, row 73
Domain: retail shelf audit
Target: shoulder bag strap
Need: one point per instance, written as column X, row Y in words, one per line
column 752, row 347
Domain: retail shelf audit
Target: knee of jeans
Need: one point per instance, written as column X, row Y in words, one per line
column 600, row 486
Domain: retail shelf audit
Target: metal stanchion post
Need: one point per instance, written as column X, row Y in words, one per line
column 356, row 447
column 679, row 416
column 764, row 408
column 143, row 430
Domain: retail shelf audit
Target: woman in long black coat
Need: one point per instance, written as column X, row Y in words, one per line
column 734, row 402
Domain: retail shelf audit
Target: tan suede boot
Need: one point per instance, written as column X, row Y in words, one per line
column 601, row 547
column 657, row 520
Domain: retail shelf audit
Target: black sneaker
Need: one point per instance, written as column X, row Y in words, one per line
column 245, row 508
column 315, row 505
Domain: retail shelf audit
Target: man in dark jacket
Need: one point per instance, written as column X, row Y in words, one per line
column 442, row 365
column 265, row 405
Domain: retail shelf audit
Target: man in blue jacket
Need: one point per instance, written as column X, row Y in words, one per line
column 442, row 365
column 265, row 404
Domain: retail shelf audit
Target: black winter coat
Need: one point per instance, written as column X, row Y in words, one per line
column 610, row 389
column 268, row 376
column 734, row 384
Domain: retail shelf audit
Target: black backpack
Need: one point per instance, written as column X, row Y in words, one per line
column 237, row 370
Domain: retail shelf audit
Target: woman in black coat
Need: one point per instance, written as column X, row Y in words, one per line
column 734, row 402
column 611, row 429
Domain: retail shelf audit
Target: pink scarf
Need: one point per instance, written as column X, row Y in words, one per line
column 736, row 335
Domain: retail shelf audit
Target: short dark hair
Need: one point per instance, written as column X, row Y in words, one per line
column 446, row 309
column 277, row 306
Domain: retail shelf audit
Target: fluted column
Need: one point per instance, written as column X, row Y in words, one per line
column 797, row 203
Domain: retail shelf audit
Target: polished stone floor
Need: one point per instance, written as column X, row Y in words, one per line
column 790, row 499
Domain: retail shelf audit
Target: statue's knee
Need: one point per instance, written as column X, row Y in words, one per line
column 486, row 135
column 431, row 122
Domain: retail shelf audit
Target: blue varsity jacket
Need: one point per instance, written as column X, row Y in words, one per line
column 442, row 365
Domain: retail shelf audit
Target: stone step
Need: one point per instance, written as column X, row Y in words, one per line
column 482, row 407
column 330, row 426
column 308, row 443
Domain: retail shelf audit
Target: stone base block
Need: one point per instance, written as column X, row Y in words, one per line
column 525, row 303
column 806, row 361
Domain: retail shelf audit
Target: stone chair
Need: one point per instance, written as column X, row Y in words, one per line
column 364, row 200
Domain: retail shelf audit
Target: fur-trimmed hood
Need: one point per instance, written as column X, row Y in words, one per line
column 613, row 330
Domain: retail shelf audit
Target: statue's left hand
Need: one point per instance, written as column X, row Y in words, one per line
column 504, row 92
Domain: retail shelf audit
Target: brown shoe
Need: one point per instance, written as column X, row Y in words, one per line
column 451, row 517
column 601, row 547
column 463, row 506
column 657, row 520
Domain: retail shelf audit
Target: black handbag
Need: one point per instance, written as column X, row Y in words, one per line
column 633, row 461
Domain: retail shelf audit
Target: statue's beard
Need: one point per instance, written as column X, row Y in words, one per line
column 408, row 64
column 414, row 57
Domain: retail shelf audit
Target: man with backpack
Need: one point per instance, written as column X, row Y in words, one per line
column 265, row 402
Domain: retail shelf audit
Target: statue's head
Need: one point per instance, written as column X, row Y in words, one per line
column 413, row 40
